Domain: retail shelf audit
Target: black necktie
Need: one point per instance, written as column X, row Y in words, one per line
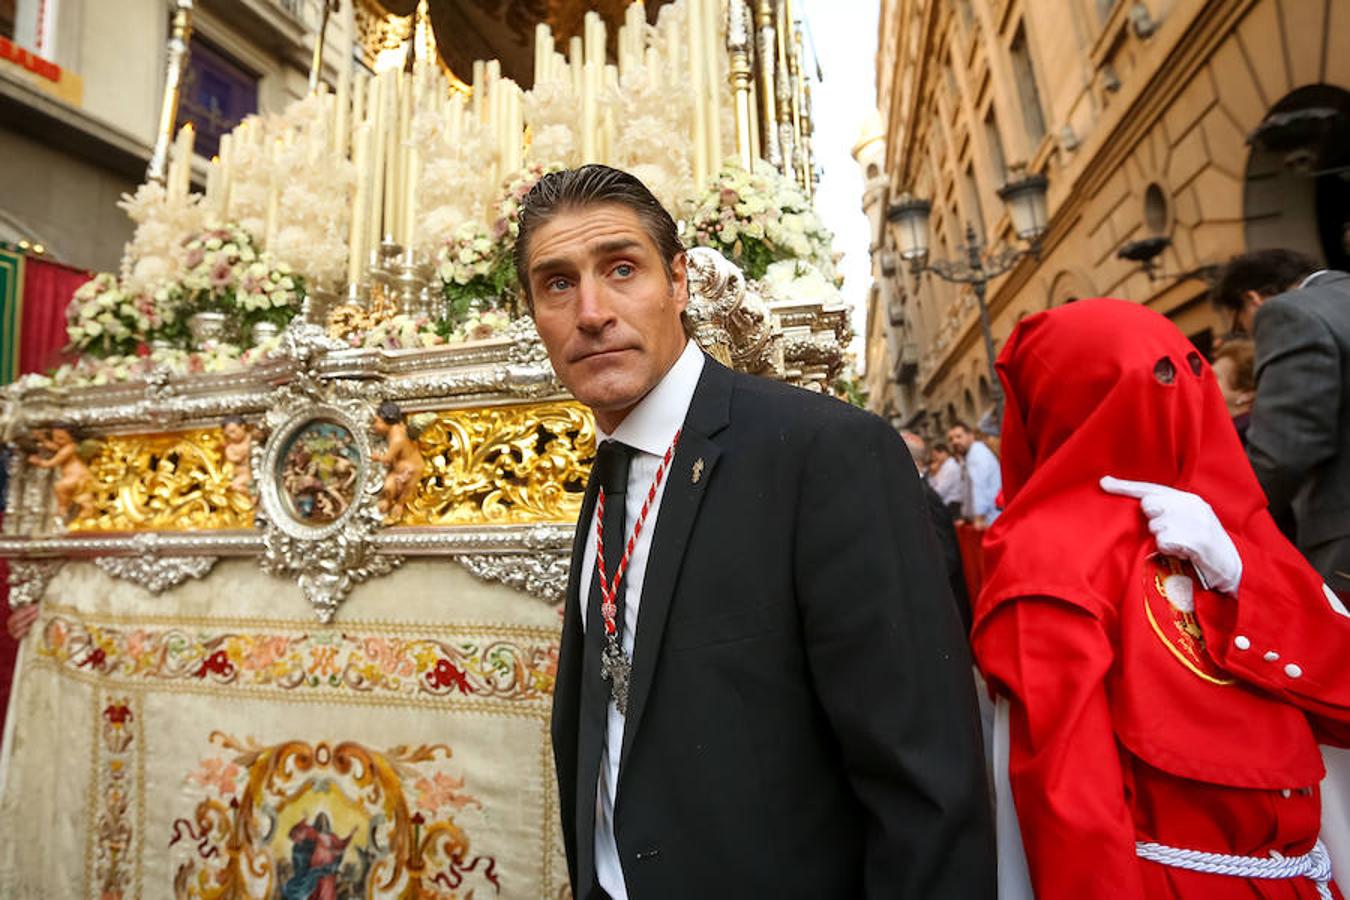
column 611, row 468
column 611, row 471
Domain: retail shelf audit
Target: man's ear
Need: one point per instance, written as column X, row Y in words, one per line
column 679, row 281
column 1254, row 298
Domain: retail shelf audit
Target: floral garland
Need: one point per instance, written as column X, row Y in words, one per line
column 758, row 218
column 90, row 370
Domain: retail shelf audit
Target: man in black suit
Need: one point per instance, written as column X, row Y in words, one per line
column 1299, row 437
column 763, row 688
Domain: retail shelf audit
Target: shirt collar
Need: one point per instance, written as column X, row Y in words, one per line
column 651, row 424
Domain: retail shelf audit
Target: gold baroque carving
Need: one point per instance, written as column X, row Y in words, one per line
column 504, row 465
column 164, row 482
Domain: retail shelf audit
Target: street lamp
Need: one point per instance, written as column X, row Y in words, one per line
column 1025, row 199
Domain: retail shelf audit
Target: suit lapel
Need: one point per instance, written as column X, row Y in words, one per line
column 709, row 412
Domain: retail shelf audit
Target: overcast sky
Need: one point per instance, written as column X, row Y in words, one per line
column 845, row 36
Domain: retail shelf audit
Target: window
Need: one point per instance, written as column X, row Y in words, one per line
column 998, row 163
column 217, row 94
column 1032, row 115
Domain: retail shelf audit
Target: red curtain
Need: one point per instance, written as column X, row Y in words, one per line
column 47, row 288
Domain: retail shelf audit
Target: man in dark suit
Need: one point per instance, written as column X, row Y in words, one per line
column 1299, row 437
column 763, row 689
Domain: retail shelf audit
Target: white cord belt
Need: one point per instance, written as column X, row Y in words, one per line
column 1315, row 864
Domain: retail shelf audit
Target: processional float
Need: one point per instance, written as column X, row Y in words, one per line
column 298, row 518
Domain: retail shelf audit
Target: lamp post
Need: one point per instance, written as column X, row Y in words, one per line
column 1025, row 199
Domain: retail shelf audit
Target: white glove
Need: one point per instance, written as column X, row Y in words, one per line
column 1186, row 527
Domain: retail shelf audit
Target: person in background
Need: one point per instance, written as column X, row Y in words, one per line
column 945, row 477
column 1235, row 368
column 1299, row 438
column 981, row 480
column 943, row 526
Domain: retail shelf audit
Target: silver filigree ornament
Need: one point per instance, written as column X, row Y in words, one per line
column 157, row 574
column 28, row 579
column 728, row 320
column 326, row 560
column 540, row 573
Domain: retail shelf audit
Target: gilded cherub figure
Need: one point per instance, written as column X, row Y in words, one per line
column 402, row 456
column 239, row 451
column 74, row 485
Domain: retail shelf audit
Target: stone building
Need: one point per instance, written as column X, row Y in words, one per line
column 1186, row 129
column 81, row 84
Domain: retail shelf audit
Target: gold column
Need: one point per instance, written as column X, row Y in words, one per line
column 173, row 82
column 768, row 113
column 738, row 46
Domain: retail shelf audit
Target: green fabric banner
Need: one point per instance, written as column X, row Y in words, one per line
column 11, row 312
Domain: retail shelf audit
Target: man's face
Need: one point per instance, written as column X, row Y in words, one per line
column 607, row 313
column 960, row 440
column 938, row 458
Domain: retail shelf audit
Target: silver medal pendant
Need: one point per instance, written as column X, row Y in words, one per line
column 616, row 669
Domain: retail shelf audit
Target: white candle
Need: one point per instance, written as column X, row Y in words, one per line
column 479, row 70
column 380, row 146
column 543, row 52
column 226, row 174
column 359, row 89
column 358, row 232
column 590, row 84
column 342, row 103
column 695, row 74
column 273, row 198
column 576, row 62
column 714, row 49
column 411, row 169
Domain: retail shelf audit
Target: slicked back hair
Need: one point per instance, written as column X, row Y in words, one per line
column 1268, row 272
column 592, row 185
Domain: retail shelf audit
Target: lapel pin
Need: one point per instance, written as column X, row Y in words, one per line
column 697, row 471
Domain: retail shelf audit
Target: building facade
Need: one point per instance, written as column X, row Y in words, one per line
column 81, row 87
column 1186, row 129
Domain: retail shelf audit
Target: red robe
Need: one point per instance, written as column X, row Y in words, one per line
column 1133, row 720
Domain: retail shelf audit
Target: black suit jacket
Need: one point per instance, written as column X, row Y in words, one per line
column 802, row 719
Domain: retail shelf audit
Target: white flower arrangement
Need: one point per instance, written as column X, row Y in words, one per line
column 226, row 273
column 154, row 254
column 795, row 279
column 104, row 319
column 758, row 218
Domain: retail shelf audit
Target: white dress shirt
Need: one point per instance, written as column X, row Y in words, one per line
column 648, row 428
column 947, row 481
column 983, row 479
